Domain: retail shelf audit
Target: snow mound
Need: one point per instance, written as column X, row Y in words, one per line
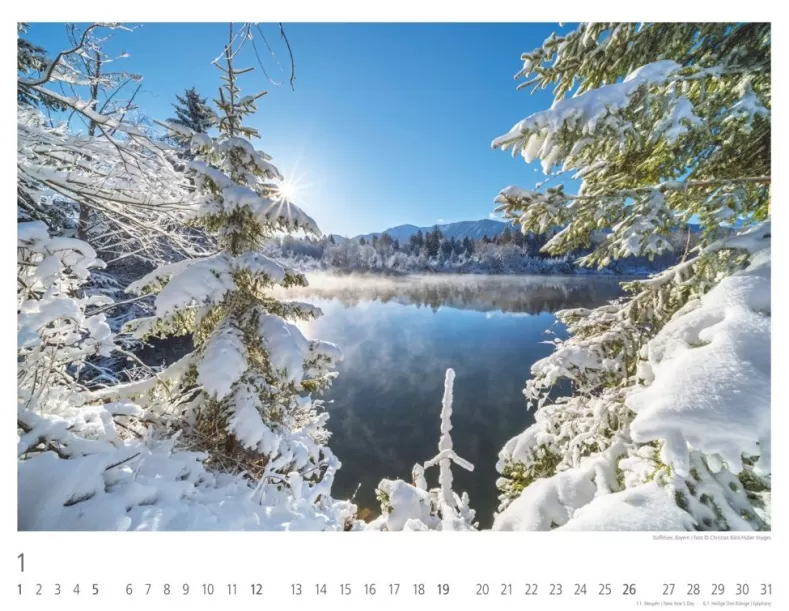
column 646, row 507
column 709, row 374
column 159, row 490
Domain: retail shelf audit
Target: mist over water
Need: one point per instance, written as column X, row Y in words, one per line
column 399, row 335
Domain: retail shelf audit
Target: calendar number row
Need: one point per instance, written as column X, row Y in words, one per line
column 397, row 589
column 231, row 589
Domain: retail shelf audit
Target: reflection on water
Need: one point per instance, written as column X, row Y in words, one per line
column 400, row 335
column 513, row 294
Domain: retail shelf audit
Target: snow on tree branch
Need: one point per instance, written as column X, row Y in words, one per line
column 125, row 186
column 534, row 137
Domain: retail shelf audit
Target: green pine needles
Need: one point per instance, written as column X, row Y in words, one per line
column 668, row 128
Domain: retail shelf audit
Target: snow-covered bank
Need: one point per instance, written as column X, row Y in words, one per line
column 685, row 443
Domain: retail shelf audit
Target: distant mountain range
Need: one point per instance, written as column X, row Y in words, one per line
column 462, row 229
column 472, row 229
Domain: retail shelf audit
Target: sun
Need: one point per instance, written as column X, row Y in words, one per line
column 288, row 190
column 294, row 188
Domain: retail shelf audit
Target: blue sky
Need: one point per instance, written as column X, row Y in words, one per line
column 388, row 123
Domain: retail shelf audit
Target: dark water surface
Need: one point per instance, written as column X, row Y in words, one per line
column 399, row 335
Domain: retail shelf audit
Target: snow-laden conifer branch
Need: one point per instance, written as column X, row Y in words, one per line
column 682, row 139
column 516, row 196
column 641, row 136
column 595, row 54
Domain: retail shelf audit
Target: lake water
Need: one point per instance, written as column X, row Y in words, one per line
column 399, row 335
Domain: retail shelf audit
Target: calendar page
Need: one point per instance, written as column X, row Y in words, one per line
column 355, row 305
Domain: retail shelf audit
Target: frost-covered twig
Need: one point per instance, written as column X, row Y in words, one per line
column 413, row 506
column 446, row 455
column 116, row 184
column 47, row 73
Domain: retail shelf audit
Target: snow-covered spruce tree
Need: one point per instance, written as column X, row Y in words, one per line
column 88, row 463
column 414, row 507
column 244, row 394
column 192, row 112
column 667, row 426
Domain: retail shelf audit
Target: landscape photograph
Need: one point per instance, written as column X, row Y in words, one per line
column 373, row 277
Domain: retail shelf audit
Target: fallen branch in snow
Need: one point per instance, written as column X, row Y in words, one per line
column 50, row 446
column 119, row 463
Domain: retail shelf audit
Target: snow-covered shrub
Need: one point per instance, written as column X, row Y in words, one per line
column 413, row 506
column 55, row 335
column 667, row 425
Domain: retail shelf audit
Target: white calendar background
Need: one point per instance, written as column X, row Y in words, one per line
column 408, row 570
column 487, row 570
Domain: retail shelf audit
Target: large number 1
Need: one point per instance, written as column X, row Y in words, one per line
column 22, row 562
